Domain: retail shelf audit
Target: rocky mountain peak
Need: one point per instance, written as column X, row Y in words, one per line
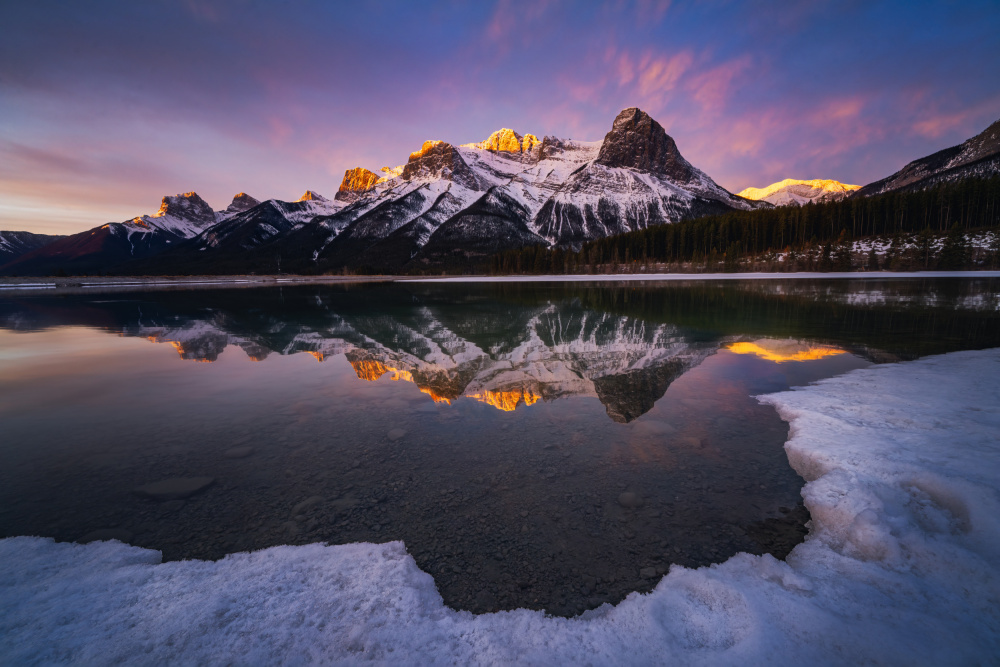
column 187, row 206
column 507, row 140
column 309, row 195
column 241, row 202
column 636, row 141
column 432, row 146
column 356, row 182
column 439, row 159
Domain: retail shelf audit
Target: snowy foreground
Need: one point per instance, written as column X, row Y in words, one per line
column 901, row 566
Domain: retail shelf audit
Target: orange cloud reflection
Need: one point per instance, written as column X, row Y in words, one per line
column 780, row 351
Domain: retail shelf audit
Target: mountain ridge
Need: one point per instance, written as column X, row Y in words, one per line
column 450, row 206
column 976, row 157
column 792, row 191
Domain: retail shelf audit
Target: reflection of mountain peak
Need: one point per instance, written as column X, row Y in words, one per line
column 632, row 394
column 541, row 352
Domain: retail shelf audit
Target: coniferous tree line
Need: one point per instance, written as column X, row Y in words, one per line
column 923, row 230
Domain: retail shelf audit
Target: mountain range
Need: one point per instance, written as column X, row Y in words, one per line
column 450, row 207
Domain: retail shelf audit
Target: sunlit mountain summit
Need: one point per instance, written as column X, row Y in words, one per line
column 796, row 192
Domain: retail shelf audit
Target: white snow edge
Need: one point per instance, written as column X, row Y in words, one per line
column 901, row 566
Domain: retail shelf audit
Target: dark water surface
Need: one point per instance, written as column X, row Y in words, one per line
column 535, row 445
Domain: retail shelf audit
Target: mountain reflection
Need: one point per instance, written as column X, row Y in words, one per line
column 511, row 346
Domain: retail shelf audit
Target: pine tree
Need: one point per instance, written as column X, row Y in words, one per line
column 955, row 252
column 825, row 261
column 872, row 259
column 925, row 246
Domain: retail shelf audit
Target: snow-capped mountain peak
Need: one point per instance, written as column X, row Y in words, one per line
column 309, row 195
column 241, row 202
column 185, row 215
column 796, row 192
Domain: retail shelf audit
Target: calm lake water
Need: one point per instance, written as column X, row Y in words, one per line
column 550, row 446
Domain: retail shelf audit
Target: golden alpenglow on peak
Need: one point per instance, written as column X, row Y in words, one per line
column 309, row 195
column 356, row 182
column 507, row 140
column 358, row 179
column 827, row 185
column 427, row 147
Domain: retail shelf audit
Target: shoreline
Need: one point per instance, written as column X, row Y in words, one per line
column 79, row 284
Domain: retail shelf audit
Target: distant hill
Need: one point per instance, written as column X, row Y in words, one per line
column 16, row 244
column 793, row 192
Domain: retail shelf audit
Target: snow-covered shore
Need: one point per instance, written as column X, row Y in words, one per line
column 902, row 565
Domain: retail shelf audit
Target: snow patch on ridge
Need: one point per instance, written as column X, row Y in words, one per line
column 902, row 565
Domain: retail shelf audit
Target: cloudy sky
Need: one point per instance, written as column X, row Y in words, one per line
column 107, row 106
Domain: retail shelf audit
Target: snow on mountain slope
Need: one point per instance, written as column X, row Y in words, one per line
column 796, row 192
column 638, row 179
column 16, row 244
column 508, row 191
column 241, row 202
column 185, row 216
column 978, row 157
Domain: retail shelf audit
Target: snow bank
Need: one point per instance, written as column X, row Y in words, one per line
column 902, row 565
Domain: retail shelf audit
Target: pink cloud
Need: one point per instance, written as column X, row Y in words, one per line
column 713, row 87
column 512, row 21
column 939, row 124
column 659, row 74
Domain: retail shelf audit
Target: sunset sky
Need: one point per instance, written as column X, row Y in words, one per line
column 107, row 106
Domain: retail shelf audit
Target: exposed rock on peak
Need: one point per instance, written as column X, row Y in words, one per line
column 795, row 192
column 392, row 172
column 356, row 182
column 309, row 195
column 187, row 206
column 636, row 141
column 507, row 140
column 241, row 202
column 429, row 146
column 439, row 159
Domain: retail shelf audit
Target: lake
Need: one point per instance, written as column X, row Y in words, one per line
column 542, row 445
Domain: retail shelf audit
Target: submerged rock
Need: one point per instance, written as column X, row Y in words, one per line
column 175, row 488
column 238, row 452
column 630, row 500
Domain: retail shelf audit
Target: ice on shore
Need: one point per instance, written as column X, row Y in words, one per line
column 901, row 566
